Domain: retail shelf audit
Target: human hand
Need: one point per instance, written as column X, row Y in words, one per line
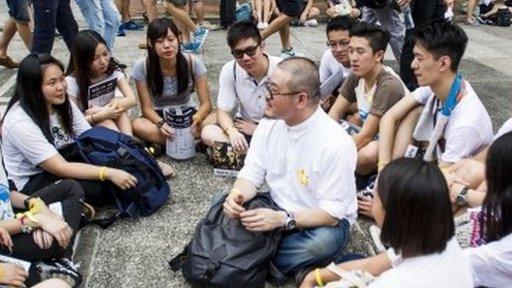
column 92, row 110
column 5, row 239
column 263, row 219
column 121, row 179
column 13, row 275
column 58, row 228
column 245, row 126
column 42, row 239
column 237, row 140
column 233, row 204
column 108, row 112
column 168, row 131
column 365, row 206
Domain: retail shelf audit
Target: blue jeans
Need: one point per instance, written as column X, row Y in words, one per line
column 18, row 10
column 311, row 247
column 102, row 17
column 48, row 15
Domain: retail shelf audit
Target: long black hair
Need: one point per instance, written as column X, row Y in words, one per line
column 415, row 196
column 157, row 29
column 82, row 55
column 28, row 92
column 497, row 206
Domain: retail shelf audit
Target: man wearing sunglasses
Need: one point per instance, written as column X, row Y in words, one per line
column 308, row 162
column 373, row 87
column 241, row 82
column 335, row 64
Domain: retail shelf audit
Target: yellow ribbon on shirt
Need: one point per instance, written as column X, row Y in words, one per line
column 303, row 177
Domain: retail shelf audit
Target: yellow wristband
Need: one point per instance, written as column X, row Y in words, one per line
column 381, row 165
column 30, row 217
column 35, row 205
column 103, row 173
column 318, row 278
column 197, row 118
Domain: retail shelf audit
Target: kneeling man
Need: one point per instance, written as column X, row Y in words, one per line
column 308, row 161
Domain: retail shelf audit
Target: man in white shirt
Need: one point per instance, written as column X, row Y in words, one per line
column 452, row 119
column 335, row 64
column 308, row 162
column 242, row 81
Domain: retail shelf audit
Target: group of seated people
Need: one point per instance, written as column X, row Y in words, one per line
column 308, row 134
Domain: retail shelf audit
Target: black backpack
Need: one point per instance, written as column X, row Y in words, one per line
column 503, row 17
column 106, row 147
column 223, row 254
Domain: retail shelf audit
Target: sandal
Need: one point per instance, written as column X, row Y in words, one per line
column 8, row 63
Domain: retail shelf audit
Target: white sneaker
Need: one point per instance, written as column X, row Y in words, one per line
column 290, row 53
column 311, row 23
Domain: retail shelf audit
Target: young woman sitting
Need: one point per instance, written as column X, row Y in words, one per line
column 94, row 77
column 40, row 120
column 165, row 79
column 413, row 209
column 492, row 262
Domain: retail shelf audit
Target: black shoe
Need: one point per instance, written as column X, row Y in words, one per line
column 63, row 269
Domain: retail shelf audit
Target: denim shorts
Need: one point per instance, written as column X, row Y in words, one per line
column 18, row 10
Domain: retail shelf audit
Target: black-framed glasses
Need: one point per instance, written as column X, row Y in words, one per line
column 250, row 51
column 272, row 94
column 335, row 44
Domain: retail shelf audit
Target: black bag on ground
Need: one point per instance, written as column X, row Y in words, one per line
column 503, row 17
column 105, row 147
column 224, row 254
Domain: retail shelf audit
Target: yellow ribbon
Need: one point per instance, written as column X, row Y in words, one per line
column 303, row 177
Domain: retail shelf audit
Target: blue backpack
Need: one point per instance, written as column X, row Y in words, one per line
column 105, row 147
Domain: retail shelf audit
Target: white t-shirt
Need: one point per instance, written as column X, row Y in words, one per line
column 492, row 263
column 245, row 91
column 468, row 130
column 73, row 89
column 332, row 73
column 505, row 128
column 25, row 146
column 448, row 269
column 306, row 166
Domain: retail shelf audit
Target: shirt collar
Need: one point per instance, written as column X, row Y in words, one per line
column 305, row 125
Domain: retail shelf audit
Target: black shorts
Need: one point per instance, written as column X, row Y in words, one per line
column 290, row 8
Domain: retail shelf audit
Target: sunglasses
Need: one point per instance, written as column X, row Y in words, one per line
column 250, row 51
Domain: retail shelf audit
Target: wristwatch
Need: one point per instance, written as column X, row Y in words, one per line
column 290, row 223
column 462, row 198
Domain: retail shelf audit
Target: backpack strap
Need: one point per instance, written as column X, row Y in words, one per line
column 177, row 262
column 191, row 71
column 234, row 77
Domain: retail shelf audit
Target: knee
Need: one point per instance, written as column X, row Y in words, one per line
column 324, row 244
column 210, row 134
column 73, row 188
column 53, row 283
column 137, row 125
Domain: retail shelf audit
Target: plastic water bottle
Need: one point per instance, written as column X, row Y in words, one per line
column 409, row 22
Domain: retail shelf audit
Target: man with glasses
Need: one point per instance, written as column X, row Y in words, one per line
column 308, row 162
column 241, row 83
column 374, row 87
column 335, row 65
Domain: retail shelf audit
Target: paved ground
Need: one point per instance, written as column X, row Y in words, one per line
column 135, row 253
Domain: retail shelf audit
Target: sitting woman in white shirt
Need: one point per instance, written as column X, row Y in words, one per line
column 39, row 123
column 413, row 209
column 492, row 263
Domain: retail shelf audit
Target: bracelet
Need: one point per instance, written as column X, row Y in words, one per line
column 103, row 173
column 197, row 118
column 381, row 165
column 160, row 123
column 318, row 278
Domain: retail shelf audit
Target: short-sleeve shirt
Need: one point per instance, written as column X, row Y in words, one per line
column 25, row 146
column 245, row 91
column 505, row 128
column 469, row 127
column 6, row 211
column 387, row 90
column 73, row 89
column 332, row 74
column 170, row 96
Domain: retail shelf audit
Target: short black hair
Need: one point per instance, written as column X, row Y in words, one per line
column 442, row 38
column 377, row 36
column 340, row 23
column 415, row 197
column 243, row 30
